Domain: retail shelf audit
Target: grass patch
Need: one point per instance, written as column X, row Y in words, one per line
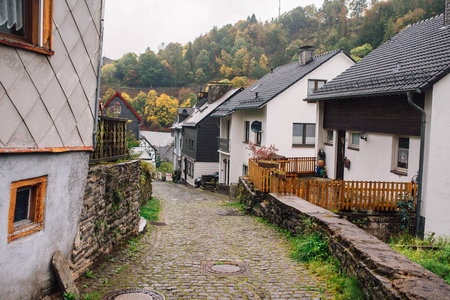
column 150, row 210
column 235, row 204
column 431, row 253
column 311, row 248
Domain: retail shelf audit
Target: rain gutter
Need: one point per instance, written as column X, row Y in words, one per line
column 421, row 158
column 97, row 95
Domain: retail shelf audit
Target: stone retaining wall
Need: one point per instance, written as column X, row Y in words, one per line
column 382, row 272
column 110, row 213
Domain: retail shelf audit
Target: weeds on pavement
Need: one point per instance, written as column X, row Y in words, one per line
column 150, row 209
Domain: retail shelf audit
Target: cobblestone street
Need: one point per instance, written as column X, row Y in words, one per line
column 199, row 235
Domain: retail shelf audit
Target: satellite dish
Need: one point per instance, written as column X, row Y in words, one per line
column 256, row 126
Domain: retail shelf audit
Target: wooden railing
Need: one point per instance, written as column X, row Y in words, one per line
column 294, row 166
column 111, row 141
column 260, row 176
column 346, row 195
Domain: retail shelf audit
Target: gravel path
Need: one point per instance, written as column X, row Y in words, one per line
column 206, row 250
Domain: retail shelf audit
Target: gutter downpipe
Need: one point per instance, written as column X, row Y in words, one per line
column 421, row 159
column 99, row 70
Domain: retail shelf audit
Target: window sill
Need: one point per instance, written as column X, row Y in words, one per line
column 303, row 146
column 328, row 144
column 353, row 148
column 400, row 172
column 245, row 142
column 26, row 46
column 25, row 230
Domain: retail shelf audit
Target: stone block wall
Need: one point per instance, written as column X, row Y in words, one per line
column 110, row 213
column 382, row 272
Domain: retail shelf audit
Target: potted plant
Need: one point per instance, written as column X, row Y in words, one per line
column 280, row 174
column 263, row 155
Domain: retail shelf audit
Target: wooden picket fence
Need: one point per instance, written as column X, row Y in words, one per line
column 346, row 195
column 292, row 166
column 111, row 139
column 295, row 166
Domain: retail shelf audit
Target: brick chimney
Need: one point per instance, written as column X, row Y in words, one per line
column 447, row 13
column 305, row 55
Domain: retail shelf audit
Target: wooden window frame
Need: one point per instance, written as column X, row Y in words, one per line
column 38, row 187
column 38, row 31
column 304, row 144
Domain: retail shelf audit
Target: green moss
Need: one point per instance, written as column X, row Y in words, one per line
column 150, row 209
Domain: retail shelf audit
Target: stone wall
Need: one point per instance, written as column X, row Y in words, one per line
column 110, row 212
column 382, row 272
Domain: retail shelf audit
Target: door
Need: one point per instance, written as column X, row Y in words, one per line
column 340, row 155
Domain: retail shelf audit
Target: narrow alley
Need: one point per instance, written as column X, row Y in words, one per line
column 204, row 249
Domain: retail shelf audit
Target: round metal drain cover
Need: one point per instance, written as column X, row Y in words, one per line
column 133, row 294
column 226, row 268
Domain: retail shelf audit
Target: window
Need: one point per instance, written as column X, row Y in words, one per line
column 190, row 169
column 258, row 137
column 330, row 137
column 354, row 141
column 400, row 156
column 27, row 24
column 246, row 131
column 303, row 134
column 314, row 85
column 244, row 170
column 26, row 209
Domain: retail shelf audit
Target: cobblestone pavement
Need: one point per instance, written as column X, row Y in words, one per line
column 200, row 229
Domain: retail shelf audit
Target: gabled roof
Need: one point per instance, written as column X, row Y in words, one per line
column 129, row 106
column 271, row 85
column 157, row 139
column 206, row 109
column 413, row 60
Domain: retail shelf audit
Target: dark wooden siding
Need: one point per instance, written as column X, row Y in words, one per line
column 378, row 114
column 208, row 131
column 189, row 133
column 127, row 113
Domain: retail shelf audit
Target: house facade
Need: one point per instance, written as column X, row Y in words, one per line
column 48, row 91
column 271, row 112
column 384, row 118
column 126, row 112
column 199, row 134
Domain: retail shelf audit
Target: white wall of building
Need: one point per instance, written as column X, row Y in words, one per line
column 202, row 168
column 436, row 184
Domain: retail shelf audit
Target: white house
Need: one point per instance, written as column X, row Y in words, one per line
column 371, row 114
column 275, row 104
column 49, row 65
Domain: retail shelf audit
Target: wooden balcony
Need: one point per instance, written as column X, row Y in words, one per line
column 111, row 140
column 223, row 144
column 346, row 195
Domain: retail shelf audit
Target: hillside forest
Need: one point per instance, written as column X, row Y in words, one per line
column 157, row 83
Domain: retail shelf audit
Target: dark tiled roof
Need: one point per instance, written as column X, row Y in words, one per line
column 414, row 59
column 271, row 85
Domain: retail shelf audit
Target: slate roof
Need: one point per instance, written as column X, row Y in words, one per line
column 414, row 59
column 158, row 139
column 129, row 106
column 272, row 85
column 205, row 110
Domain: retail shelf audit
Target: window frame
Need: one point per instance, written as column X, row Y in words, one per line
column 37, row 187
column 246, row 132
column 352, row 146
column 329, row 141
column 303, row 144
column 316, row 85
column 258, row 138
column 396, row 145
column 38, row 30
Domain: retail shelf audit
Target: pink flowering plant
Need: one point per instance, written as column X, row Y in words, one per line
column 113, row 111
column 260, row 153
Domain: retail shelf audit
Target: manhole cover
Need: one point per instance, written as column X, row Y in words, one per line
column 225, row 268
column 133, row 294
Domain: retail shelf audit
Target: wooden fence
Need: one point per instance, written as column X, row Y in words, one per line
column 260, row 176
column 346, row 195
column 111, row 140
column 294, row 166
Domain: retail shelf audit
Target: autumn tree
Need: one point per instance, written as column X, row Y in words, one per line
column 165, row 110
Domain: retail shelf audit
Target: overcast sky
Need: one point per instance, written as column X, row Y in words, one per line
column 134, row 25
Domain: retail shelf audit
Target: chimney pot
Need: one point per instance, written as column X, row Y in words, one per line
column 305, row 55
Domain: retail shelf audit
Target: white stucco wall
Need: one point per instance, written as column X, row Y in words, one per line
column 436, row 185
column 202, row 168
column 25, row 263
column 239, row 155
column 289, row 108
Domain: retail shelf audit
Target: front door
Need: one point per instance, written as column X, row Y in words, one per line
column 340, row 155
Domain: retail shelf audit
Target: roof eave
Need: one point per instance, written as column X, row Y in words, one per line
column 368, row 95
